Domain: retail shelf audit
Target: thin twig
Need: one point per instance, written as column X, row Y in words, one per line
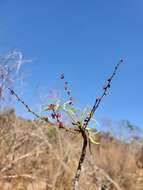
column 97, row 170
column 81, row 128
column 105, row 90
column 85, row 124
column 27, row 106
column 12, row 163
column 45, row 119
column 25, row 176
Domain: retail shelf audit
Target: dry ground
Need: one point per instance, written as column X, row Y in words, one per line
column 34, row 156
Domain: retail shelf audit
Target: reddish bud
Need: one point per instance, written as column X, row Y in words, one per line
column 57, row 115
column 51, row 106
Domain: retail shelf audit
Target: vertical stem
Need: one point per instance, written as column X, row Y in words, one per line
column 81, row 160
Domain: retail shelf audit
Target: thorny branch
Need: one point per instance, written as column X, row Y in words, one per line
column 45, row 119
column 86, row 122
column 105, row 90
column 80, row 128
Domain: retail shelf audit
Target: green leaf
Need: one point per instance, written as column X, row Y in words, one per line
column 91, row 138
column 70, row 111
column 58, row 107
column 93, row 141
column 89, row 129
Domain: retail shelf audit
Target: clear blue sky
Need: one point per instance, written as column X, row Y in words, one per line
column 83, row 39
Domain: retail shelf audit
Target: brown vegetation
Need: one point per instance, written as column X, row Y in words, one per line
column 36, row 156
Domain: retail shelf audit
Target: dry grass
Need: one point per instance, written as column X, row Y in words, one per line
column 34, row 156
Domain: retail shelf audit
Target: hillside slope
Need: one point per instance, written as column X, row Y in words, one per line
column 36, row 156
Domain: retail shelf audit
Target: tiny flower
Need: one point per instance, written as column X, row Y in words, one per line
column 51, row 106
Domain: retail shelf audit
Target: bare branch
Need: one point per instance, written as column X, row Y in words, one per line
column 105, row 90
column 45, row 119
column 81, row 160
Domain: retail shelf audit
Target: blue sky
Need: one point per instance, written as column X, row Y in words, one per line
column 83, row 39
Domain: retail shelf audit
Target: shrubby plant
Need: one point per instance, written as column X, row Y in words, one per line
column 80, row 121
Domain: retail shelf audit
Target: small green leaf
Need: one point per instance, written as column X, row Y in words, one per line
column 58, row 107
column 93, row 141
column 91, row 138
column 70, row 111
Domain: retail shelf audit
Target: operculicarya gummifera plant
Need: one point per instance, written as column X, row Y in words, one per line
column 79, row 121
